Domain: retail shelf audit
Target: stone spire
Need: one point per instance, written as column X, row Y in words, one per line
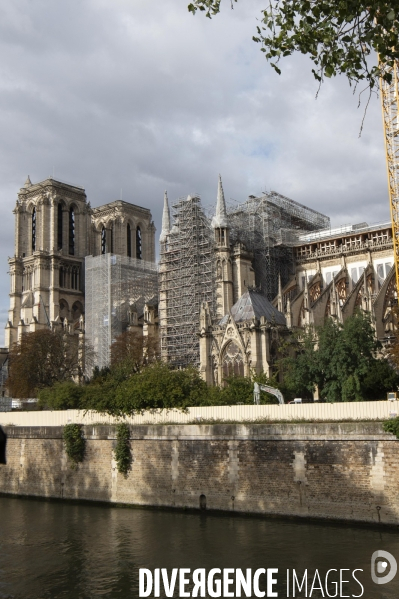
column 28, row 182
column 219, row 221
column 165, row 219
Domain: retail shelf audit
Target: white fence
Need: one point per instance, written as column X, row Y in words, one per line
column 367, row 410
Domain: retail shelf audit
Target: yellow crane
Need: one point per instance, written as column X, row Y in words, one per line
column 390, row 117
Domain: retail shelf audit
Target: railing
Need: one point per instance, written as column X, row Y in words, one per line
column 342, row 411
column 341, row 249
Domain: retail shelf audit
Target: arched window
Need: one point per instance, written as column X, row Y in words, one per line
column 139, row 249
column 233, row 363
column 34, row 230
column 59, row 227
column 77, row 311
column 64, row 310
column 103, row 241
column 75, row 278
column 71, row 231
column 129, row 240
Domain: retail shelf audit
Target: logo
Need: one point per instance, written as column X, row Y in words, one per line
column 380, row 560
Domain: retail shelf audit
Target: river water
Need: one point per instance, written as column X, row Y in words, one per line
column 54, row 550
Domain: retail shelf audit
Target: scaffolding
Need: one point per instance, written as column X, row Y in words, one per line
column 267, row 225
column 113, row 283
column 186, row 278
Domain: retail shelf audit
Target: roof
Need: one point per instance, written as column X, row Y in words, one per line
column 252, row 304
column 119, row 204
column 343, row 231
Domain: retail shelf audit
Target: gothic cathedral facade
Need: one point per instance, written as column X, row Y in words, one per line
column 55, row 229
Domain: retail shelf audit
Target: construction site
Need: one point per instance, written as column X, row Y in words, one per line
column 266, row 225
column 113, row 284
column 186, row 279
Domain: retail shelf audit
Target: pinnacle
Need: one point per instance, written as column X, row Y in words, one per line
column 165, row 219
column 28, row 182
column 220, row 218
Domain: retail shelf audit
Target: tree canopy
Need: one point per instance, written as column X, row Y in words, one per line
column 340, row 36
column 41, row 359
column 341, row 360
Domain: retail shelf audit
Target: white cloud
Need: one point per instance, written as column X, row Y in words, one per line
column 142, row 96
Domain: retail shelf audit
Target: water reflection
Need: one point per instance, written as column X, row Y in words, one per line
column 61, row 550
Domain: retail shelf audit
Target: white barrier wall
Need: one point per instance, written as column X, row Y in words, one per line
column 365, row 410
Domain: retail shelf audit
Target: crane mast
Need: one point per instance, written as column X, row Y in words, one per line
column 390, row 117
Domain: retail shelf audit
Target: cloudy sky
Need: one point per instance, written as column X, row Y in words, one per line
column 131, row 97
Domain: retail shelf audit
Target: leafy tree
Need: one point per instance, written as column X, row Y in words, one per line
column 379, row 379
column 155, row 387
column 346, row 353
column 133, row 351
column 159, row 387
column 338, row 35
column 43, row 358
column 62, row 396
column 300, row 364
column 341, row 360
column 240, row 390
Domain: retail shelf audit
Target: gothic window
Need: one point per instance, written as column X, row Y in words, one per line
column 77, row 311
column 129, row 240
column 233, row 362
column 64, row 310
column 59, row 227
column 62, row 276
column 382, row 273
column 27, row 277
column 139, row 249
column 75, row 278
column 103, row 241
column 34, row 230
column 72, row 231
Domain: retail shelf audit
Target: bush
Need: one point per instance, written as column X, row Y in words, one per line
column 392, row 426
column 123, row 456
column 61, row 396
column 75, row 443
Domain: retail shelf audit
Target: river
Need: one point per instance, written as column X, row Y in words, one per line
column 54, row 550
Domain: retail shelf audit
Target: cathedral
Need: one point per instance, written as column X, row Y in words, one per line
column 334, row 273
column 226, row 291
column 55, row 230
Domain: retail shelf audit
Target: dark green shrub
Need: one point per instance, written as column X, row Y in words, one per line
column 75, row 443
column 61, row 396
column 392, row 426
column 122, row 452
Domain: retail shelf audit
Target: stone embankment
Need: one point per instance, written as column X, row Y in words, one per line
column 345, row 471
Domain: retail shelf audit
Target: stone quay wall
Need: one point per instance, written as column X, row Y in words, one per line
column 342, row 471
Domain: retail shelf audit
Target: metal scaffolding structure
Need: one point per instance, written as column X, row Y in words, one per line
column 113, row 283
column 186, row 278
column 267, row 225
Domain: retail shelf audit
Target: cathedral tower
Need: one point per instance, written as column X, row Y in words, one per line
column 52, row 237
column 224, row 274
